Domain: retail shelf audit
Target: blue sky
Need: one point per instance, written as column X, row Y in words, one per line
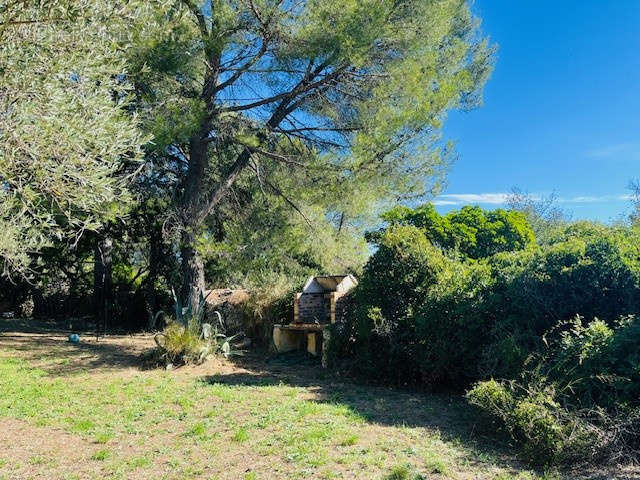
column 561, row 111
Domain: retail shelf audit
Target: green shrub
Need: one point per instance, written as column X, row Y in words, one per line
column 269, row 304
column 379, row 333
column 403, row 472
column 400, row 272
column 452, row 325
column 179, row 344
column 546, row 432
column 492, row 396
column 596, row 364
column 579, row 399
column 422, row 317
column 493, row 315
column 541, row 432
column 425, row 317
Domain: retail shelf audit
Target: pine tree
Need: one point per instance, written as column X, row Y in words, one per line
column 345, row 96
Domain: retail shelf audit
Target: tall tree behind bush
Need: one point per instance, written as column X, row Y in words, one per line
column 471, row 231
column 542, row 212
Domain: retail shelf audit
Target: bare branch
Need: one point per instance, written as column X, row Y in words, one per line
column 275, row 156
column 240, row 71
column 318, row 129
column 290, row 202
column 302, row 87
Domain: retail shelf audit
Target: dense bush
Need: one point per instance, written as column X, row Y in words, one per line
column 492, row 315
column 429, row 316
column 577, row 400
column 454, row 325
column 596, row 364
column 269, row 303
column 426, row 317
column 380, row 332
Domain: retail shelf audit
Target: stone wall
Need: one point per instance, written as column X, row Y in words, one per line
column 341, row 302
column 312, row 308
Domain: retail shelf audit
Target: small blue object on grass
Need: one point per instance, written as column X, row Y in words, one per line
column 74, row 338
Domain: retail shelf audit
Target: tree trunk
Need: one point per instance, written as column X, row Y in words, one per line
column 103, row 282
column 192, row 271
column 192, row 206
column 155, row 248
column 196, row 202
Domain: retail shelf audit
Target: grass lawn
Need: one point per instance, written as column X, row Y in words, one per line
column 89, row 412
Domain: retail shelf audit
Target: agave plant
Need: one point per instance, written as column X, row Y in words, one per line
column 216, row 335
column 186, row 340
column 191, row 314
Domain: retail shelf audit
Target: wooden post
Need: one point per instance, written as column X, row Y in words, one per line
column 296, row 307
column 312, row 345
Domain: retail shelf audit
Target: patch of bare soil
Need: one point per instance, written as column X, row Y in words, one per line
column 28, row 452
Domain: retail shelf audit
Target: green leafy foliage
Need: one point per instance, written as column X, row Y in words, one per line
column 420, row 316
column 471, row 231
column 551, row 412
column 325, row 109
column 394, row 283
column 426, row 315
column 489, row 318
column 266, row 242
column 547, row 433
column 575, row 385
column 178, row 345
column 595, row 364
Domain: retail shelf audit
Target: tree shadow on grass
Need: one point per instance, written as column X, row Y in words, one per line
column 378, row 404
column 83, row 324
column 53, row 353
column 449, row 415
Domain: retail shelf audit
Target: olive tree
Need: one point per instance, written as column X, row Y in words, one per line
column 68, row 142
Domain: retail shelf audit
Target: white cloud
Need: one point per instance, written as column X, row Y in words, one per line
column 619, row 151
column 453, row 199
column 596, row 199
column 462, row 198
column 582, row 199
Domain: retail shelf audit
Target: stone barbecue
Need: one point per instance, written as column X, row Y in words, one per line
column 320, row 303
